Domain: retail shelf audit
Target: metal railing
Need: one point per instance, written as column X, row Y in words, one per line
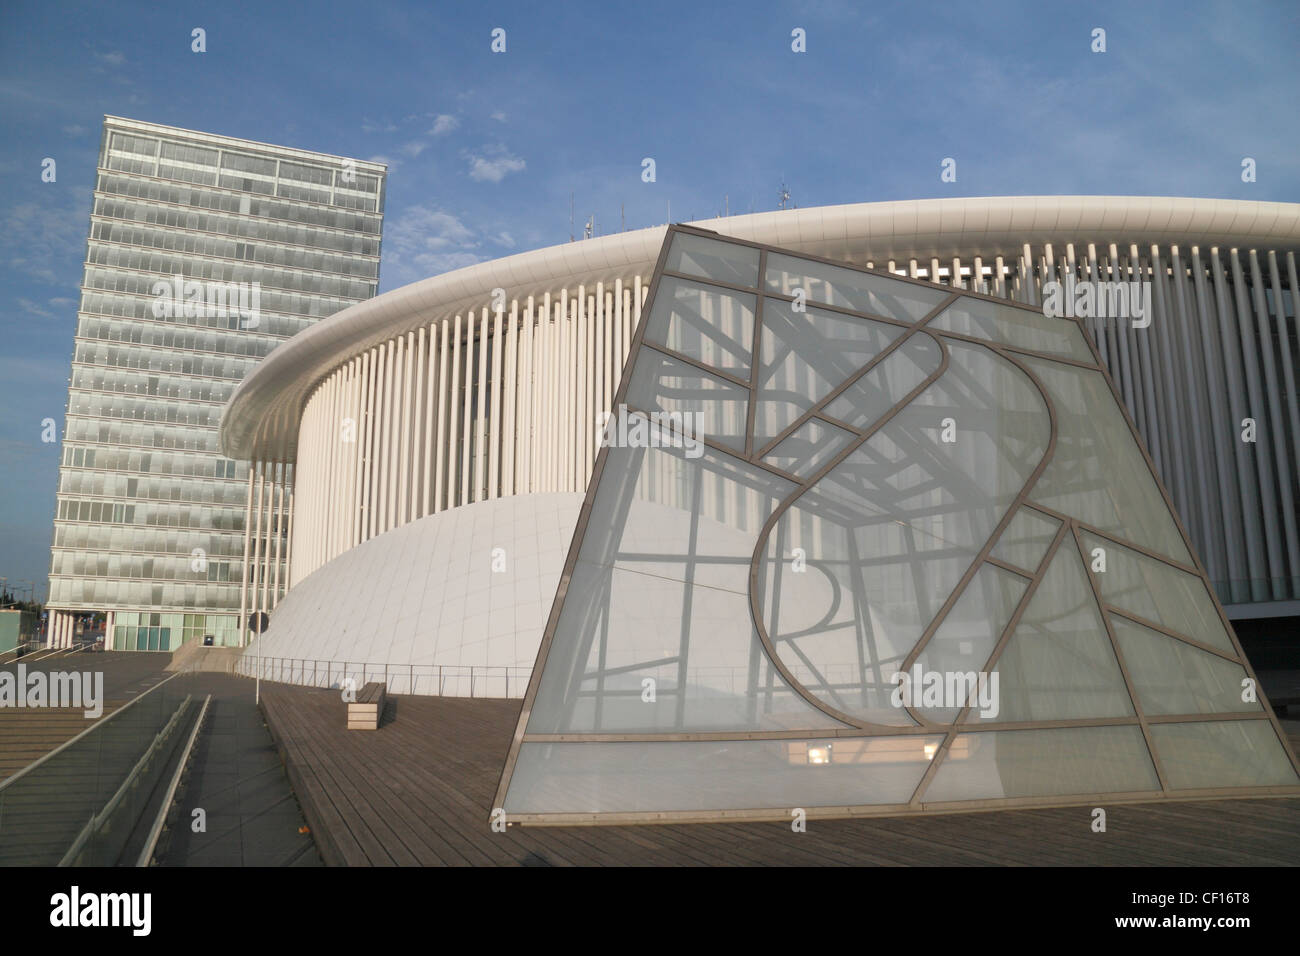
column 428, row 680
column 107, row 774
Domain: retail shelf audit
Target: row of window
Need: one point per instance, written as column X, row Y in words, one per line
column 360, row 194
column 153, row 514
column 290, row 280
column 116, row 485
column 368, row 223
column 141, row 435
column 97, row 405
column 173, row 240
column 161, row 335
column 157, row 541
column 144, row 567
column 157, row 214
column 283, row 313
column 138, row 357
column 153, row 462
column 107, row 593
column 125, row 382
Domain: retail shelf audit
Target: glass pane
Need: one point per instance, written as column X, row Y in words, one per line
column 871, row 396
column 1098, row 473
column 1019, row 327
column 661, row 593
column 805, row 355
column 703, row 405
column 1026, row 539
column 1152, row 589
column 888, row 532
column 958, row 652
column 724, row 261
column 1175, row 678
column 850, row 289
column 809, row 448
column 1043, row 763
column 1059, row 663
column 1226, row 753
column 706, row 323
column 710, row 775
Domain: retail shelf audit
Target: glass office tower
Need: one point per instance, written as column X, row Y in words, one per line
column 205, row 253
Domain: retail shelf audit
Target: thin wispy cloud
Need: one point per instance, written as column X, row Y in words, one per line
column 444, row 123
column 493, row 164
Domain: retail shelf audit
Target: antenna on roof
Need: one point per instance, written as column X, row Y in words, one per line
column 783, row 196
column 570, row 217
column 589, row 229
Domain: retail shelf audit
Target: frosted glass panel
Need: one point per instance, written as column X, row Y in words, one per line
column 875, row 393
column 1226, row 753
column 1175, row 678
column 712, row 325
column 805, row 355
column 1026, row 539
column 1059, row 663
column 704, row 405
column 959, row 649
column 724, row 261
column 850, row 289
column 1098, row 473
column 1153, row 590
column 1071, row 761
column 711, row 596
column 1019, row 327
column 705, row 775
column 660, row 593
column 811, row 446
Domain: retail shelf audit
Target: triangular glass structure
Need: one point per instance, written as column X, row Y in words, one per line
column 860, row 544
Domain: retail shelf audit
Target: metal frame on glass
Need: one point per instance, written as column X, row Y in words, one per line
column 837, row 722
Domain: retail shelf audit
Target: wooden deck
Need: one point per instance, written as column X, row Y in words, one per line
column 28, row 735
column 418, row 792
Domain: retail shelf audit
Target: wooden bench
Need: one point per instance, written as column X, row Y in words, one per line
column 366, row 711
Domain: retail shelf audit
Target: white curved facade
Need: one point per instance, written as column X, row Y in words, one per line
column 486, row 382
column 452, row 605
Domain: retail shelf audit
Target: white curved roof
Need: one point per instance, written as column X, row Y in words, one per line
column 426, row 595
column 261, row 419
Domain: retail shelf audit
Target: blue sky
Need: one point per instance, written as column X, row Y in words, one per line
column 485, row 149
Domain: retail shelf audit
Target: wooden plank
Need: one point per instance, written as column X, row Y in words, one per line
column 421, row 791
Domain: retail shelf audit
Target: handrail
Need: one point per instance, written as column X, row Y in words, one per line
column 97, row 819
column 156, row 830
column 68, row 743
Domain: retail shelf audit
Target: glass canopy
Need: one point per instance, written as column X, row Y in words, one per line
column 862, row 544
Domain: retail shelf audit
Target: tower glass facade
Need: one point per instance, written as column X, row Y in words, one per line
column 204, row 254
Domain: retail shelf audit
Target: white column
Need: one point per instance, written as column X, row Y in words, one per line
column 404, row 442
column 467, row 423
column 510, row 391
column 480, row 408
column 444, row 384
column 248, row 540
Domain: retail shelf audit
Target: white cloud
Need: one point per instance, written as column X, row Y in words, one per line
column 370, row 126
column 414, row 148
column 499, row 116
column 444, row 123
column 424, row 241
column 35, row 235
column 116, row 58
column 504, row 239
column 29, row 306
column 495, row 166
